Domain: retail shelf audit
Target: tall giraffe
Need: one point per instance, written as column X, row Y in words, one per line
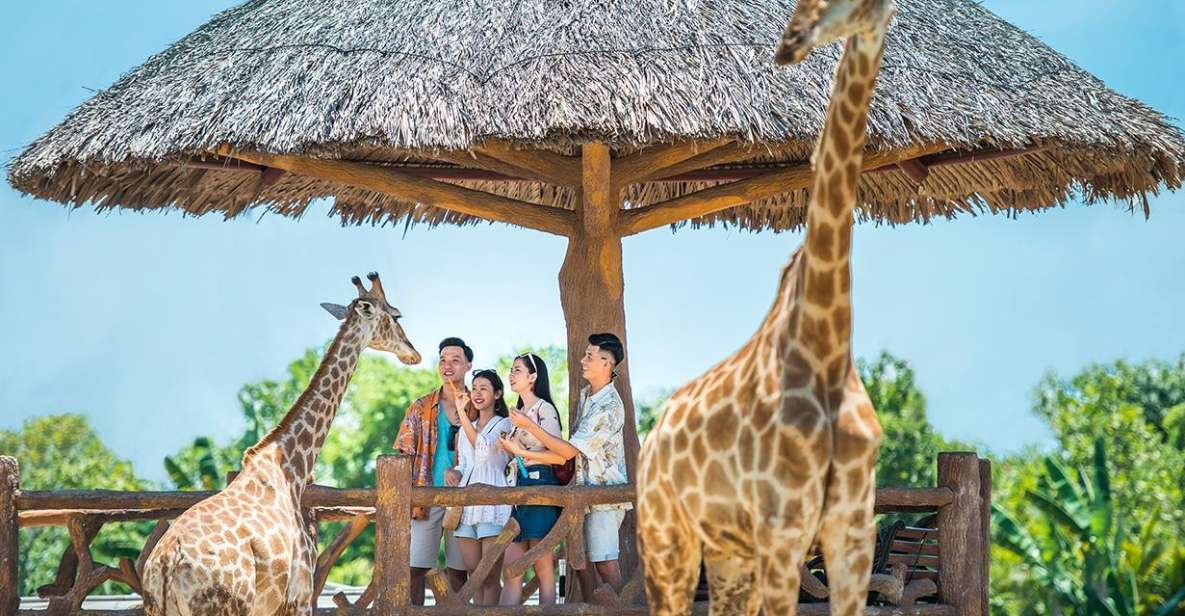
column 774, row 448
column 248, row 550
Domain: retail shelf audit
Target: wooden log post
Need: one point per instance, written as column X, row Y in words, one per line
column 985, row 534
column 10, row 483
column 961, row 583
column 392, row 537
column 592, row 295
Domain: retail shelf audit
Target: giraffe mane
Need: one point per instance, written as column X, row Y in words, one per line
column 303, row 399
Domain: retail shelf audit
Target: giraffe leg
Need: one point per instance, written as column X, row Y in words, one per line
column 847, row 537
column 780, row 559
column 732, row 584
column 847, row 530
column 670, row 555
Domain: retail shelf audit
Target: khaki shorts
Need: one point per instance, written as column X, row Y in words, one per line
column 602, row 533
column 425, row 543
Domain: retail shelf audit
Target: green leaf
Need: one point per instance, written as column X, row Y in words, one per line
column 1096, row 604
column 1056, row 510
column 179, row 477
column 1101, row 512
column 1170, row 606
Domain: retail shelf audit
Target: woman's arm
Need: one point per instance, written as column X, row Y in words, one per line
column 513, row 448
column 462, row 403
column 543, row 457
column 554, row 444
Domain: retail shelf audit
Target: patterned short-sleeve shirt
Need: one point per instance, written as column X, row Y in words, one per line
column 598, row 436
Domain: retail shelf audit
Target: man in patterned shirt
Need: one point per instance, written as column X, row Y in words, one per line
column 428, row 433
column 597, row 443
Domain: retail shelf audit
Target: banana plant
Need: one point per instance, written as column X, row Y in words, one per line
column 195, row 467
column 1088, row 556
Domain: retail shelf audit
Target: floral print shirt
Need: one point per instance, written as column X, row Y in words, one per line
column 417, row 438
column 598, row 436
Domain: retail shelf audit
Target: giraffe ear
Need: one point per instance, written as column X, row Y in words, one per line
column 338, row 311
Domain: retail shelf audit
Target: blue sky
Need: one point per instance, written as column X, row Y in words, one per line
column 150, row 323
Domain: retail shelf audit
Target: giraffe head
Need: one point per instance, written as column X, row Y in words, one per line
column 379, row 318
column 816, row 23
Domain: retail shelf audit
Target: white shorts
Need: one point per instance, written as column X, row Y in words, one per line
column 602, row 533
column 425, row 543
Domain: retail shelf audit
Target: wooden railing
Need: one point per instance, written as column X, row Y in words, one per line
column 959, row 560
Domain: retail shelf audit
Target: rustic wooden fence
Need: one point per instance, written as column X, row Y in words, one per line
column 954, row 554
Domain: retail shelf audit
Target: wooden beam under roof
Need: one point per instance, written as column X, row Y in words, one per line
column 408, row 187
column 717, row 198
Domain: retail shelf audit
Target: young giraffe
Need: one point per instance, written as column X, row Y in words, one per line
column 248, row 550
column 773, row 449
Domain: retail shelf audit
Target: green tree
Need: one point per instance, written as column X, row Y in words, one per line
column 62, row 452
column 649, row 410
column 1089, row 555
column 1136, row 410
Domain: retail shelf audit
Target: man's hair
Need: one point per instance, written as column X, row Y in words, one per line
column 457, row 342
column 610, row 344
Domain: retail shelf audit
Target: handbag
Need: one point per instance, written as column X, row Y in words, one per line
column 565, row 472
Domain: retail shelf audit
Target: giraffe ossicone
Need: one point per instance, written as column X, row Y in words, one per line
column 249, row 550
column 774, row 448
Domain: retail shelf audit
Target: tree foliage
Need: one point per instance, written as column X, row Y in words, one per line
column 62, row 452
column 1136, row 562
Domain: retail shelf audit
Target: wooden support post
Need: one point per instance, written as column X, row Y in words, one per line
column 985, row 525
column 591, row 293
column 10, row 483
column 592, row 284
column 960, row 579
column 392, row 537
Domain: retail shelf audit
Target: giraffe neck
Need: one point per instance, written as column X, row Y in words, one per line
column 301, row 433
column 821, row 311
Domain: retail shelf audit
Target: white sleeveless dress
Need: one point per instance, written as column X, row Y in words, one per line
column 484, row 462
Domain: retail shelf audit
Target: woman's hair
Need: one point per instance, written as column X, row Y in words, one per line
column 535, row 365
column 500, row 408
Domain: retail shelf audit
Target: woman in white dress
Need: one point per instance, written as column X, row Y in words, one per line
column 481, row 460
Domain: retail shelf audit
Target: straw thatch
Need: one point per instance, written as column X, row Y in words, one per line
column 400, row 81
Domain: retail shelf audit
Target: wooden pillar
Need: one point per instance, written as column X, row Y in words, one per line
column 961, row 582
column 592, row 285
column 985, row 534
column 392, row 536
column 10, row 483
column 592, row 295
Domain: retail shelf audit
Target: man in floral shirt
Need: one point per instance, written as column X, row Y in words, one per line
column 597, row 443
column 428, row 433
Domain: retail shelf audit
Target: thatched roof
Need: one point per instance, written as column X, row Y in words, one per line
column 402, row 81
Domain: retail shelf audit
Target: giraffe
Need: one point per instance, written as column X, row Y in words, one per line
column 249, row 550
column 773, row 449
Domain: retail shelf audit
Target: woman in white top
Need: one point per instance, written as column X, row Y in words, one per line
column 533, row 467
column 482, row 461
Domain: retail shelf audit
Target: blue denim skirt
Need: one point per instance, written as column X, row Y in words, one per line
column 535, row 521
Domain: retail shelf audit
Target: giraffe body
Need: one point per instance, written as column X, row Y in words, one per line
column 773, row 450
column 248, row 550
